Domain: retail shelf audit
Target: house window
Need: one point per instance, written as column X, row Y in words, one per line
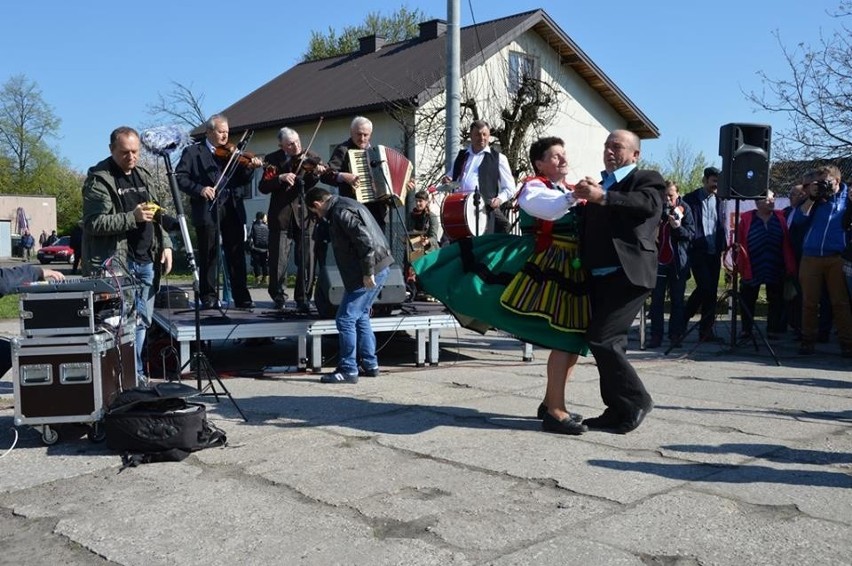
column 521, row 66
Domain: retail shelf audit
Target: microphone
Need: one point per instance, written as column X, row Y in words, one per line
column 164, row 139
column 376, row 162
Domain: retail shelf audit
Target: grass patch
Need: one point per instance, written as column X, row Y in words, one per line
column 10, row 306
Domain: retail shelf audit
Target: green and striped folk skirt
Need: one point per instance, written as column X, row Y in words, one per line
column 499, row 281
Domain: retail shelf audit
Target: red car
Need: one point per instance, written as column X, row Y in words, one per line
column 59, row 251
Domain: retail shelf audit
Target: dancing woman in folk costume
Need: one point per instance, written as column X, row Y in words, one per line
column 531, row 286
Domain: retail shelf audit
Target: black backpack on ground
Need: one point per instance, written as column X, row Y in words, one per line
column 158, row 424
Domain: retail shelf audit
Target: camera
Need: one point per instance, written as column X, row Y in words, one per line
column 823, row 190
column 669, row 210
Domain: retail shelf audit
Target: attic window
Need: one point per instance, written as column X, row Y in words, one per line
column 521, row 66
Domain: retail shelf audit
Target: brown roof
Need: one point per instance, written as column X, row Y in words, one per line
column 407, row 72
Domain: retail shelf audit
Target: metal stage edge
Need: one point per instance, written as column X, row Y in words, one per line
column 308, row 333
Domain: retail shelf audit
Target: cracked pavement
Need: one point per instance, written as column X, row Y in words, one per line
column 741, row 462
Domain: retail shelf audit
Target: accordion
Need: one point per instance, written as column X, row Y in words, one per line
column 383, row 173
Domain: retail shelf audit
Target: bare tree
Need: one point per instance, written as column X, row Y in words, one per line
column 515, row 118
column 26, row 122
column 181, row 104
column 816, row 96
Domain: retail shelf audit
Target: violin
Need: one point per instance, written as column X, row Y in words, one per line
column 301, row 164
column 223, row 154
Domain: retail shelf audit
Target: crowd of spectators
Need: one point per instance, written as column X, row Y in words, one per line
column 801, row 256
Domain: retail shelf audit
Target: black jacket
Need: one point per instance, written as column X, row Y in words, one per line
column 283, row 197
column 337, row 163
column 198, row 169
column 681, row 238
column 360, row 247
column 624, row 232
column 259, row 237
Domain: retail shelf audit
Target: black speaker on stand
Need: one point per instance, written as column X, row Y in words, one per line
column 744, row 149
column 745, row 161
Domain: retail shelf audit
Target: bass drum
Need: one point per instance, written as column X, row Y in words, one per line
column 459, row 217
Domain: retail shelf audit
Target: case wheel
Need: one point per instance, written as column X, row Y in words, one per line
column 97, row 433
column 49, row 436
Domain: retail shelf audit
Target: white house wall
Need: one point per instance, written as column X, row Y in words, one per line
column 583, row 120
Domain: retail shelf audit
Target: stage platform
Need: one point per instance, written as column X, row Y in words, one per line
column 425, row 319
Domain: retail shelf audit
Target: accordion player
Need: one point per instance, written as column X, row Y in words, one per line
column 383, row 172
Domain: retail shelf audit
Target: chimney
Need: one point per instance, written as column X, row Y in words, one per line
column 433, row 29
column 370, row 44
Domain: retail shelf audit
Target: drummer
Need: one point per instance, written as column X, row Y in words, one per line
column 483, row 167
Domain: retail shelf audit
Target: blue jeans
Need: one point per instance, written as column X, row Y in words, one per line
column 144, row 273
column 354, row 328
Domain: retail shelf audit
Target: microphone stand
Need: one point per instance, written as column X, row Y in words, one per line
column 216, row 209
column 304, row 270
column 409, row 247
column 203, row 367
column 477, row 199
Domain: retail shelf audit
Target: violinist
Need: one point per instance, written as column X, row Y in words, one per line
column 218, row 211
column 289, row 172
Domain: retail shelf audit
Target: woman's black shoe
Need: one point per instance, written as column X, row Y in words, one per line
column 565, row 426
column 542, row 410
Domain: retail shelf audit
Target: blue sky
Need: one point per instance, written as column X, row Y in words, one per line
column 101, row 64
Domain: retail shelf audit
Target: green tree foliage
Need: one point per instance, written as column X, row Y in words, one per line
column 28, row 166
column 682, row 166
column 26, row 123
column 401, row 25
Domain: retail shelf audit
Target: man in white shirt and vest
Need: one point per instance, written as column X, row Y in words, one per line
column 486, row 169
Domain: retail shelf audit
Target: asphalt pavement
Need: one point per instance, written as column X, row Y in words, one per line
column 741, row 462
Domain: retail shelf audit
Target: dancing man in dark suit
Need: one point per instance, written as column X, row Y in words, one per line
column 618, row 242
column 197, row 172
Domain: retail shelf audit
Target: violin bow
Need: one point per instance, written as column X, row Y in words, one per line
column 230, row 167
column 310, row 143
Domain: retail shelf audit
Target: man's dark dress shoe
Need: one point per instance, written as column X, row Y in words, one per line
column 633, row 421
column 245, row 305
column 565, row 426
column 607, row 420
column 542, row 410
column 610, row 422
column 208, row 303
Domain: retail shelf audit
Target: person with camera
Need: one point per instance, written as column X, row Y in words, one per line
column 821, row 216
column 675, row 231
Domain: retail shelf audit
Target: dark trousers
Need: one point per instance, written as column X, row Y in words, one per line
column 260, row 263
column 233, row 246
column 615, row 302
column 775, row 300
column 705, row 270
column 673, row 280
column 280, row 244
